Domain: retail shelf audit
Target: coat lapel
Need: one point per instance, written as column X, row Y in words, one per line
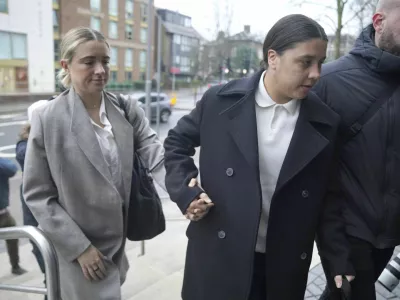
column 307, row 142
column 83, row 131
column 123, row 133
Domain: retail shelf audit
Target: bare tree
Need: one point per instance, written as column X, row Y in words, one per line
column 344, row 11
column 364, row 16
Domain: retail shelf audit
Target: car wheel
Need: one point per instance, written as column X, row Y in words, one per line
column 164, row 116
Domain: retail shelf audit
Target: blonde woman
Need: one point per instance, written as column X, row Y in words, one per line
column 78, row 169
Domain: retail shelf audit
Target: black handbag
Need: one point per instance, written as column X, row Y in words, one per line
column 146, row 219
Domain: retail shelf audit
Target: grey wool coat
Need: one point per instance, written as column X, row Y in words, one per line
column 69, row 189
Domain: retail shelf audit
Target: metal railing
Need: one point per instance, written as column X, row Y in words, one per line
column 49, row 256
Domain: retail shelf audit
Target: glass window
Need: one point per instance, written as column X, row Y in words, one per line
column 3, row 6
column 129, row 9
column 113, row 30
column 114, row 76
column 129, row 31
column 143, row 59
column 56, row 50
column 177, row 39
column 177, row 59
column 128, row 58
column 114, row 56
column 55, row 21
column 169, row 17
column 95, row 5
column 188, row 22
column 113, row 8
column 143, row 12
column 128, row 76
column 143, row 35
column 95, row 23
column 5, row 42
column 18, row 46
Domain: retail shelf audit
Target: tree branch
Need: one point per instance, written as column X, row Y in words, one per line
column 300, row 3
column 357, row 13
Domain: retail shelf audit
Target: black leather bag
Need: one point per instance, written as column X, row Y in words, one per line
column 146, row 219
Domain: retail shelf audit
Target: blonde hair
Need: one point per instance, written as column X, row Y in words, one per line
column 70, row 42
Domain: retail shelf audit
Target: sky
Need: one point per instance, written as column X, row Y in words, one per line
column 259, row 14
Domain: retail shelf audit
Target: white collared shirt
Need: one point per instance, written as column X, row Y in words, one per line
column 275, row 127
column 108, row 146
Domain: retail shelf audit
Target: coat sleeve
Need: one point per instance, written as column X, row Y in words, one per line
column 41, row 196
column 147, row 143
column 20, row 153
column 332, row 238
column 179, row 148
column 7, row 168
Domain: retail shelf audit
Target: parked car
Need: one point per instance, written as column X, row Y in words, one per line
column 166, row 105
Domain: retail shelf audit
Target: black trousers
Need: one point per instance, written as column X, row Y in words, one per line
column 368, row 262
column 258, row 286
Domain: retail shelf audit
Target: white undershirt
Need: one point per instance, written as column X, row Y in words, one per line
column 275, row 127
column 108, row 146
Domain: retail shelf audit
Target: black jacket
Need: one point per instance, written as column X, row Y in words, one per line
column 370, row 161
column 221, row 247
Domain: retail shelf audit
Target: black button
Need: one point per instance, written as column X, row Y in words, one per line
column 221, row 234
column 303, row 256
column 229, row 172
column 305, row 194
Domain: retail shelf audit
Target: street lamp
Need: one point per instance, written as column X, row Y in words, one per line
column 244, row 71
column 226, row 71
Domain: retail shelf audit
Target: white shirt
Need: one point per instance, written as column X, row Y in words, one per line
column 275, row 127
column 108, row 146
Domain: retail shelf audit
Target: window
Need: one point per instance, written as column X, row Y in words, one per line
column 143, row 12
column 3, row 6
column 113, row 30
column 129, row 31
column 169, row 17
column 129, row 9
column 143, row 60
column 128, row 76
column 95, row 5
column 114, row 56
column 188, row 22
column 113, row 76
column 113, row 8
column 177, row 59
column 56, row 27
column 177, row 39
column 13, row 45
column 128, row 58
column 56, row 50
column 95, row 23
column 143, row 35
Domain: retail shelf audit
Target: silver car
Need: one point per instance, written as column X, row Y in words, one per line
column 165, row 105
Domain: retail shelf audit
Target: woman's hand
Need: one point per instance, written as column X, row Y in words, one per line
column 200, row 207
column 92, row 265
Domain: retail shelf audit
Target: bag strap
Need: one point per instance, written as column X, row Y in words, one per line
column 357, row 126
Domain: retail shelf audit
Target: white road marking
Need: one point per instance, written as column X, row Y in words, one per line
column 10, row 116
column 6, row 124
column 5, row 148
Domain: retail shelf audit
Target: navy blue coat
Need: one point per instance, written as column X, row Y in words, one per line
column 7, row 170
column 221, row 247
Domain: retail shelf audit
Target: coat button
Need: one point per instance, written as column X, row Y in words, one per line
column 303, row 256
column 229, row 172
column 221, row 234
column 305, row 194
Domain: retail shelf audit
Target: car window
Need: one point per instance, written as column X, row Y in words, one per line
column 142, row 99
column 154, row 98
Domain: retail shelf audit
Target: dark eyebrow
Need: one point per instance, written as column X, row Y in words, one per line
column 307, row 57
column 92, row 57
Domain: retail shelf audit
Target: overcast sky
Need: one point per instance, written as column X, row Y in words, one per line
column 259, row 14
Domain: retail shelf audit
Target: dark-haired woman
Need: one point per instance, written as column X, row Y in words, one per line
column 267, row 148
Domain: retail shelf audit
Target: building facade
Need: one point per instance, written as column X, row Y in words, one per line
column 26, row 43
column 123, row 22
column 347, row 43
column 232, row 56
column 180, row 46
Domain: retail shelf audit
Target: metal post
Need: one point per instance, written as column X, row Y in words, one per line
column 149, row 56
column 49, row 255
column 158, row 71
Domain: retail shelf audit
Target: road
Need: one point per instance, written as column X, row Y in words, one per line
column 10, row 126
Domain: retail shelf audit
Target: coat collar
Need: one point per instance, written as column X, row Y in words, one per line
column 82, row 129
column 314, row 118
